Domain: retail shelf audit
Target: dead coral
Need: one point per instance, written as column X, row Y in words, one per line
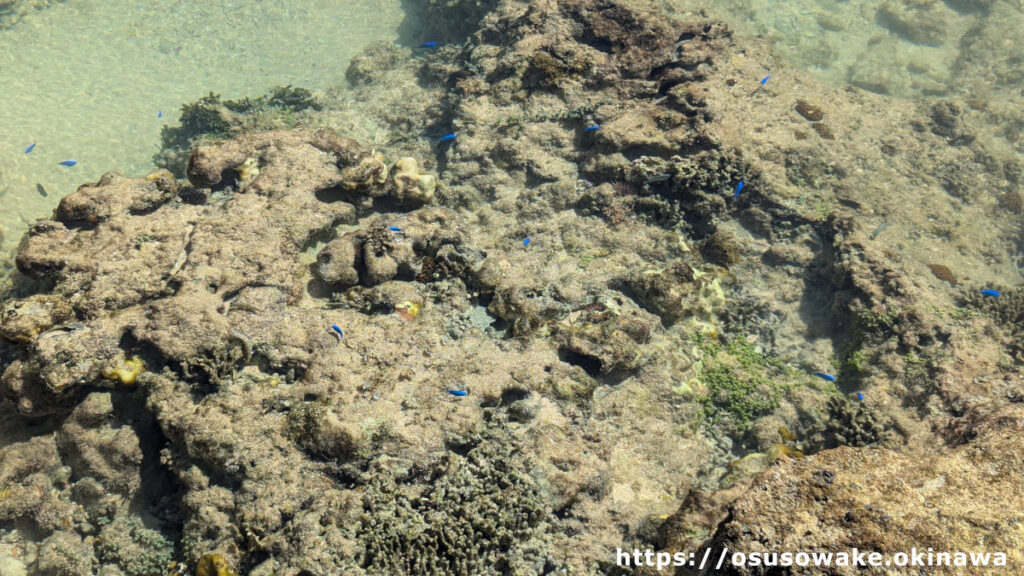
column 92, row 447
column 220, row 254
column 337, row 262
column 847, row 498
column 479, row 511
column 31, row 473
column 606, row 340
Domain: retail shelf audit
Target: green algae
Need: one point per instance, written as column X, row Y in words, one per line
column 738, row 383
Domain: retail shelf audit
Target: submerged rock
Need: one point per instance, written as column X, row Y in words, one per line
column 889, row 502
column 252, row 371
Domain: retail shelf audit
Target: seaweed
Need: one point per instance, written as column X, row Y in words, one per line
column 740, row 383
column 212, row 118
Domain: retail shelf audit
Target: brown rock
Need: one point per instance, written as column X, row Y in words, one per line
column 889, row 502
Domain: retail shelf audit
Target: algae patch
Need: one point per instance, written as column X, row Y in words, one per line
column 737, row 384
column 214, row 565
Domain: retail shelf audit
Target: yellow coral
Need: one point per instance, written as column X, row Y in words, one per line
column 408, row 310
column 214, row 565
column 159, row 174
column 779, row 450
column 126, row 375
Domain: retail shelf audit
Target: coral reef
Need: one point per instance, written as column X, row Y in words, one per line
column 478, row 516
column 214, row 565
column 411, row 184
column 565, row 331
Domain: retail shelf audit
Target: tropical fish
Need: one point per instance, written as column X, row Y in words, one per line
column 761, row 85
column 447, row 137
column 336, row 330
column 68, row 163
column 591, row 128
column 458, row 392
column 989, row 292
column 739, row 188
column 394, row 228
column 526, row 242
column 825, row 376
column 431, row 44
column 30, row 148
column 41, row 190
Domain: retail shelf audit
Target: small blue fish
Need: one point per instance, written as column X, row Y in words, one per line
column 765, row 79
column 458, row 392
column 739, row 188
column 447, row 138
column 658, row 178
column 527, row 241
column 431, row 44
column 988, row 292
column 394, row 228
column 860, row 397
column 591, row 128
column 159, row 113
column 30, row 148
column 337, row 331
column 68, row 163
column 824, row 376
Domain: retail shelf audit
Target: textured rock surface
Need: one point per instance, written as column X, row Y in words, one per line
column 178, row 390
column 888, row 502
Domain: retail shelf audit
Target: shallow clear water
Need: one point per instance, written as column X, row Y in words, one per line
column 670, row 353
column 905, row 49
column 95, row 81
column 87, row 79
